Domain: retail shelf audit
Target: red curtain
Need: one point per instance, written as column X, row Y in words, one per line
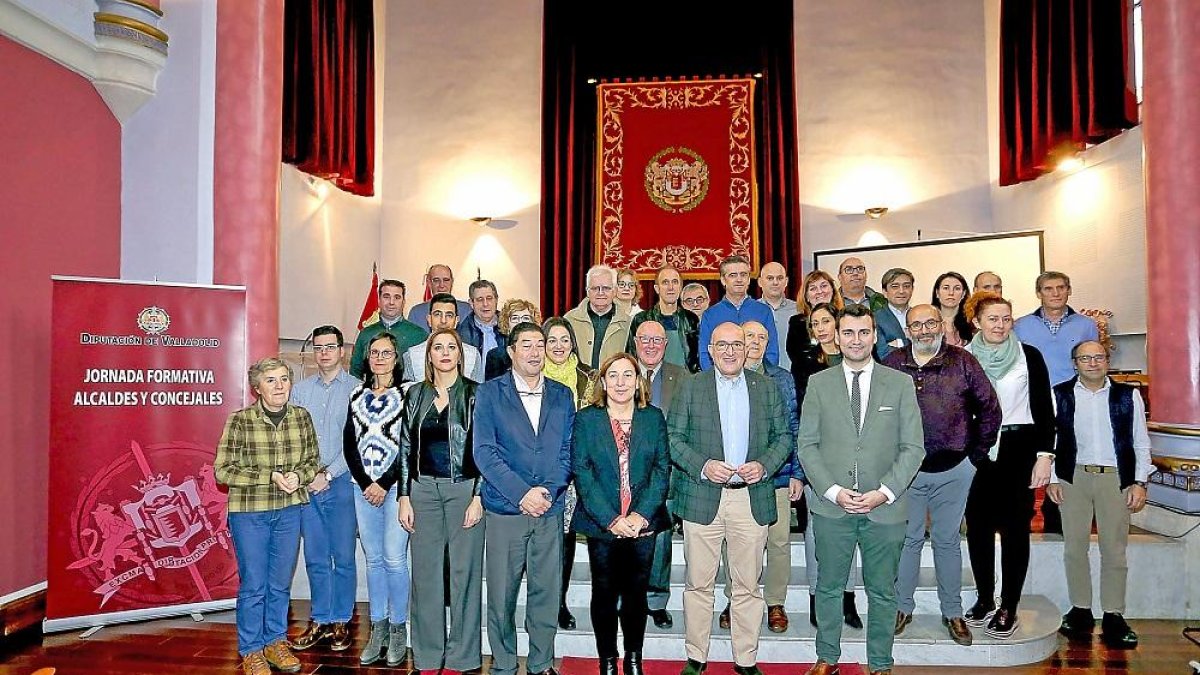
column 1066, row 80
column 329, row 91
column 626, row 39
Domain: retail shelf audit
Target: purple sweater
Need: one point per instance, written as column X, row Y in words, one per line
column 959, row 408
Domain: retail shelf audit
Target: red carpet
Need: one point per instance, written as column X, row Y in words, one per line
column 572, row 665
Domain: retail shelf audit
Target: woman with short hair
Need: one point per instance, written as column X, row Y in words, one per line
column 621, row 466
column 266, row 456
column 629, row 291
column 513, row 312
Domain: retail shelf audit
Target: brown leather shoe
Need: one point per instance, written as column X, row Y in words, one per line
column 313, row 633
column 777, row 619
column 959, row 632
column 723, row 621
column 885, row 671
column 255, row 664
column 341, row 637
column 902, row 621
column 824, row 668
column 281, row 658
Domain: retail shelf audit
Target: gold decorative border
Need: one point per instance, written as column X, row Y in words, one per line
column 612, row 99
column 144, row 5
column 1172, row 429
column 132, row 24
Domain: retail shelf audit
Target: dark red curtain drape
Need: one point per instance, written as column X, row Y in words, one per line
column 627, row 39
column 1066, row 80
column 329, row 91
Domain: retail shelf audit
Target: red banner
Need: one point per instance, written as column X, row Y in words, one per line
column 142, row 379
column 675, row 175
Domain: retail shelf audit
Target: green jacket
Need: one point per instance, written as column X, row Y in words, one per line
column 889, row 451
column 407, row 335
column 694, row 429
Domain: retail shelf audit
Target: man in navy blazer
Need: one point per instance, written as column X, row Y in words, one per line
column 522, row 446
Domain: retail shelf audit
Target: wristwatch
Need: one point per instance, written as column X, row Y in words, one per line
column 328, row 476
column 1140, row 483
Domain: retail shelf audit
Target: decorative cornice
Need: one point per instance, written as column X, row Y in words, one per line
column 132, row 24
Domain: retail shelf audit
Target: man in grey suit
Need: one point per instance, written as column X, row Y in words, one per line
column 861, row 443
column 729, row 434
column 650, row 345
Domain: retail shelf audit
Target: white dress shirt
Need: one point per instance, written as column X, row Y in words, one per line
column 1094, row 433
column 864, row 388
column 533, row 404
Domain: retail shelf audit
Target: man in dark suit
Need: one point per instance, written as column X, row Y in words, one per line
column 522, row 446
column 650, row 345
column 861, row 443
column 729, row 434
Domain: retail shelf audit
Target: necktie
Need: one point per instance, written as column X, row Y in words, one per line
column 856, row 402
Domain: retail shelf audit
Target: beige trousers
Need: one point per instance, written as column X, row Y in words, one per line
column 1097, row 494
column 747, row 539
column 778, row 571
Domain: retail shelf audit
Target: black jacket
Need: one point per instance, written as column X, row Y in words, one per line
column 687, row 327
column 597, row 477
column 418, row 400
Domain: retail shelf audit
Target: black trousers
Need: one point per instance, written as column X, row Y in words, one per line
column 1001, row 501
column 620, row 572
column 569, row 541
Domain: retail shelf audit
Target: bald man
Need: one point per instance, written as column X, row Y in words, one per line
column 990, row 282
column 773, row 281
column 852, row 286
column 441, row 280
column 729, row 435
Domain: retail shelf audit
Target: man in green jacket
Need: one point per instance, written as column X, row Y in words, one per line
column 391, row 319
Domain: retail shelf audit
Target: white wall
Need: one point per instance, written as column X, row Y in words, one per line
column 167, row 157
column 892, row 112
column 462, row 138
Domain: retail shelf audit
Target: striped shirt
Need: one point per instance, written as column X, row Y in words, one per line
column 252, row 448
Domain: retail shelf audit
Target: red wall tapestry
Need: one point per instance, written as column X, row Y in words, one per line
column 675, row 175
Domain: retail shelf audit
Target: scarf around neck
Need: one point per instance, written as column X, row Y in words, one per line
column 566, row 373
column 996, row 360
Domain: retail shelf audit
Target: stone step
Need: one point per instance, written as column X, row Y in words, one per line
column 924, row 642
column 795, row 544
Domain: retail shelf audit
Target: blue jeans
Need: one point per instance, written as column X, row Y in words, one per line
column 266, row 544
column 328, row 525
column 385, row 546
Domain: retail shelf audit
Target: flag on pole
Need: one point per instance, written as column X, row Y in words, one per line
column 370, row 310
column 428, row 294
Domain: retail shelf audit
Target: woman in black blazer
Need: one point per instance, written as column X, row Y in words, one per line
column 1001, row 496
column 621, row 465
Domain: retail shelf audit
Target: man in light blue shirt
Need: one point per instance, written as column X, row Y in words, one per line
column 737, row 307
column 327, row 521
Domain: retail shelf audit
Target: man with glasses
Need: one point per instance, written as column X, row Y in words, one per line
column 852, row 285
column 681, row 324
column 961, row 417
column 737, row 307
column 861, row 444
column 890, row 320
column 442, row 314
column 440, row 279
column 391, row 319
column 729, row 434
column 650, row 346
column 600, row 330
column 1101, row 466
column 522, row 446
column 327, row 521
column 694, row 298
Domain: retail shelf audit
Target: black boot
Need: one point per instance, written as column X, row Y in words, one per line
column 566, row 620
column 812, row 609
column 608, row 665
column 850, row 612
column 633, row 663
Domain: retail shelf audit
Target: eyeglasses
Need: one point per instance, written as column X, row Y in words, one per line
column 860, row 269
column 729, row 346
column 656, row 341
column 626, row 284
column 1092, row 358
column 601, row 289
column 320, row 349
column 694, row 302
column 931, row 324
column 384, row 354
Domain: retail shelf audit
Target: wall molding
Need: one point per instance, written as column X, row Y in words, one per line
column 22, row 609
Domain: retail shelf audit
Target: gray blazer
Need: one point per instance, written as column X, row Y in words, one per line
column 888, row 452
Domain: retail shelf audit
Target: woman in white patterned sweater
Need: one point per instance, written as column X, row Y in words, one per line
column 371, row 444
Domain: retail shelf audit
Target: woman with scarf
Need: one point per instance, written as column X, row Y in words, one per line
column 440, row 508
column 621, row 465
column 1001, row 497
column 563, row 366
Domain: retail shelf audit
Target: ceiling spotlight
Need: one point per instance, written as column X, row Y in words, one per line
column 876, row 212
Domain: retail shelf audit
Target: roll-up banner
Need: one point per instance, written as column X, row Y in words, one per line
column 143, row 376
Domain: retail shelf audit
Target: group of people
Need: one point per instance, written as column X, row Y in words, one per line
column 476, row 427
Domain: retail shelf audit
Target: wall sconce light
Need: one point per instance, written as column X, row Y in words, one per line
column 876, row 212
column 1070, row 164
column 482, row 221
column 317, row 187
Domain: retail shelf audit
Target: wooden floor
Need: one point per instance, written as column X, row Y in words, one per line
column 184, row 646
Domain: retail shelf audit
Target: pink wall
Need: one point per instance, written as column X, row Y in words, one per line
column 60, row 213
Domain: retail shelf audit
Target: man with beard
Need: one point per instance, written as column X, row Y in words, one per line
column 961, row 418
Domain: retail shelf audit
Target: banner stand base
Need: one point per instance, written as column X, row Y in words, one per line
column 94, row 622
